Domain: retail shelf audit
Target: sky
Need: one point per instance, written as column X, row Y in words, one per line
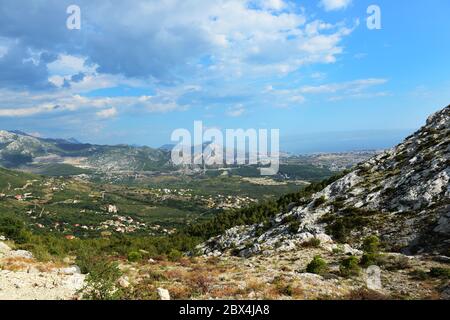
column 137, row 70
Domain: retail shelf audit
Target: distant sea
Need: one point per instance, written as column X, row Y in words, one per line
column 343, row 141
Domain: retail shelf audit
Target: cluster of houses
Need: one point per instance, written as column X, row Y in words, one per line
column 18, row 197
column 228, row 202
column 121, row 224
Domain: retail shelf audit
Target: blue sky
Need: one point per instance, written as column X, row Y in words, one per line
column 136, row 71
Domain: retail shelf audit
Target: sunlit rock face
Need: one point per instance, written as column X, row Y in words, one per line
column 401, row 195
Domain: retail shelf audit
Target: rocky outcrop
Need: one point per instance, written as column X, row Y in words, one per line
column 401, row 195
column 23, row 278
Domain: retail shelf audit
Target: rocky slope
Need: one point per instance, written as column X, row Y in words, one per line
column 401, row 195
column 23, row 278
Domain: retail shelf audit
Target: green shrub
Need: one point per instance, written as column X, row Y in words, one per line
column 371, row 244
column 174, row 255
column 338, row 204
column 319, row 201
column 14, row 229
column 311, row 243
column 349, row 267
column 419, row 274
column 443, row 273
column 101, row 282
column 294, row 226
column 134, row 256
column 338, row 230
column 283, row 286
column 340, row 225
column 88, row 257
column 437, row 272
column 40, row 252
column 317, row 266
column 369, row 259
column 260, row 230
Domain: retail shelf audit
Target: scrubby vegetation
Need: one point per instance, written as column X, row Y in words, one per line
column 349, row 266
column 101, row 282
column 317, row 266
column 371, row 248
column 260, row 213
column 435, row 272
column 311, row 243
column 51, row 245
column 342, row 223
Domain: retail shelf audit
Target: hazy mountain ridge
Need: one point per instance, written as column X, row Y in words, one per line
column 19, row 150
column 401, row 195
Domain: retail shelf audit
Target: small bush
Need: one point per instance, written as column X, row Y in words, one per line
column 319, row 201
column 282, row 286
column 317, row 266
column 40, row 252
column 338, row 230
column 311, row 243
column 443, row 273
column 371, row 244
column 371, row 256
column 101, row 282
column 87, row 259
column 419, row 275
column 134, row 256
column 349, row 267
column 155, row 276
column 200, row 283
column 174, row 255
column 294, row 226
column 369, row 259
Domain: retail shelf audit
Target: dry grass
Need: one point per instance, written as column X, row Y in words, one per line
column 185, row 262
column 226, row 292
column 255, row 285
column 16, row 264
column 175, row 274
column 180, row 291
column 200, row 283
column 366, row 294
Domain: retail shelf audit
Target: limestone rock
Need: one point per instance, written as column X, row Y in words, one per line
column 163, row 294
column 20, row 254
column 124, row 282
column 4, row 248
column 404, row 192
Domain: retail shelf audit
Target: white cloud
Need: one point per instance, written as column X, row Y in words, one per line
column 107, row 113
column 236, row 111
column 26, row 112
column 275, row 5
column 360, row 95
column 26, row 104
column 297, row 99
column 171, row 40
column 332, row 92
column 355, row 86
column 69, row 65
column 332, row 5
